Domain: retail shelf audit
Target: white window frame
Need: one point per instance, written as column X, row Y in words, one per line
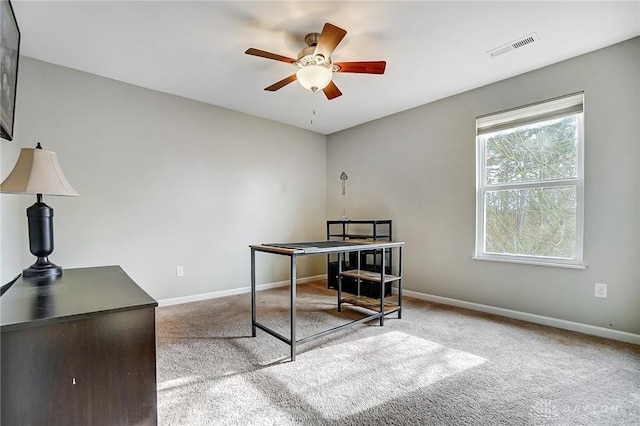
column 572, row 104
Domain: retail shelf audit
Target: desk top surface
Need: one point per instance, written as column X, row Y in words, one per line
column 330, row 246
column 76, row 293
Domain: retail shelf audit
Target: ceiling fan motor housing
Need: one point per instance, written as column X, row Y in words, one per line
column 307, row 55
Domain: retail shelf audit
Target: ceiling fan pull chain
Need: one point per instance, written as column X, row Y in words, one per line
column 313, row 106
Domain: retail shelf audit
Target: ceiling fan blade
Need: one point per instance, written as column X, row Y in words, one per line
column 269, row 55
column 330, row 37
column 332, row 91
column 281, row 83
column 371, row 67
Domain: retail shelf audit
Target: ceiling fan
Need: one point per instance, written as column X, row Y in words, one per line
column 314, row 62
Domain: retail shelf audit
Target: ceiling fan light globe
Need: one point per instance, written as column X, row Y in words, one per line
column 314, row 77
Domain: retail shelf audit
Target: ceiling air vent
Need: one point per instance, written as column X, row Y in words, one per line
column 513, row 45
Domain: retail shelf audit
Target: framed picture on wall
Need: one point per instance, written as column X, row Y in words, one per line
column 10, row 53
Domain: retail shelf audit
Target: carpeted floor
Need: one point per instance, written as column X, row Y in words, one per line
column 438, row 365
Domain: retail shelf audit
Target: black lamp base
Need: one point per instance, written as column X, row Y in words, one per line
column 42, row 269
column 40, row 219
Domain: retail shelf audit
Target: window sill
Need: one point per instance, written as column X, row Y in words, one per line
column 532, row 262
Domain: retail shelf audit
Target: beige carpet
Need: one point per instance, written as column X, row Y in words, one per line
column 437, row 365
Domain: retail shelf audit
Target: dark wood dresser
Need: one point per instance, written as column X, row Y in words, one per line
column 80, row 350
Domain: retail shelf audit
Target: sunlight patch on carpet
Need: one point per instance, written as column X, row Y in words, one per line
column 205, row 400
column 177, row 383
column 351, row 377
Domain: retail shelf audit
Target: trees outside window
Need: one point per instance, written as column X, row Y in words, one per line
column 529, row 183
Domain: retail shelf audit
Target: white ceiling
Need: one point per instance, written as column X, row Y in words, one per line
column 433, row 49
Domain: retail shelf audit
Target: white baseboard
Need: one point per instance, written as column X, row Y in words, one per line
column 593, row 330
column 232, row 292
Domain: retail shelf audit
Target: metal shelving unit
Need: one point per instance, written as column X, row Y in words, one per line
column 366, row 260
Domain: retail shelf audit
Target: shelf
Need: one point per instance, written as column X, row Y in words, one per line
column 359, row 236
column 369, row 303
column 361, row 222
column 369, row 275
column 365, row 260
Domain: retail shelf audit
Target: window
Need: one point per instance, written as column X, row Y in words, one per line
column 530, row 183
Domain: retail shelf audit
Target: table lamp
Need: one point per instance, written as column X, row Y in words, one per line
column 38, row 172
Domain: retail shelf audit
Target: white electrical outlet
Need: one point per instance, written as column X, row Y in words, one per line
column 179, row 271
column 601, row 290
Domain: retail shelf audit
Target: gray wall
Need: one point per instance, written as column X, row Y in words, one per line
column 418, row 168
column 164, row 181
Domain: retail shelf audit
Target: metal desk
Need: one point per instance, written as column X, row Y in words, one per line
column 293, row 250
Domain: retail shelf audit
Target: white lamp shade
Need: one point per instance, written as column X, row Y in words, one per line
column 37, row 172
column 314, row 77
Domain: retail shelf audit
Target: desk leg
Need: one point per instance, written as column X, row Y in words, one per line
column 382, row 288
column 293, row 273
column 253, row 293
column 340, row 257
column 400, row 283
